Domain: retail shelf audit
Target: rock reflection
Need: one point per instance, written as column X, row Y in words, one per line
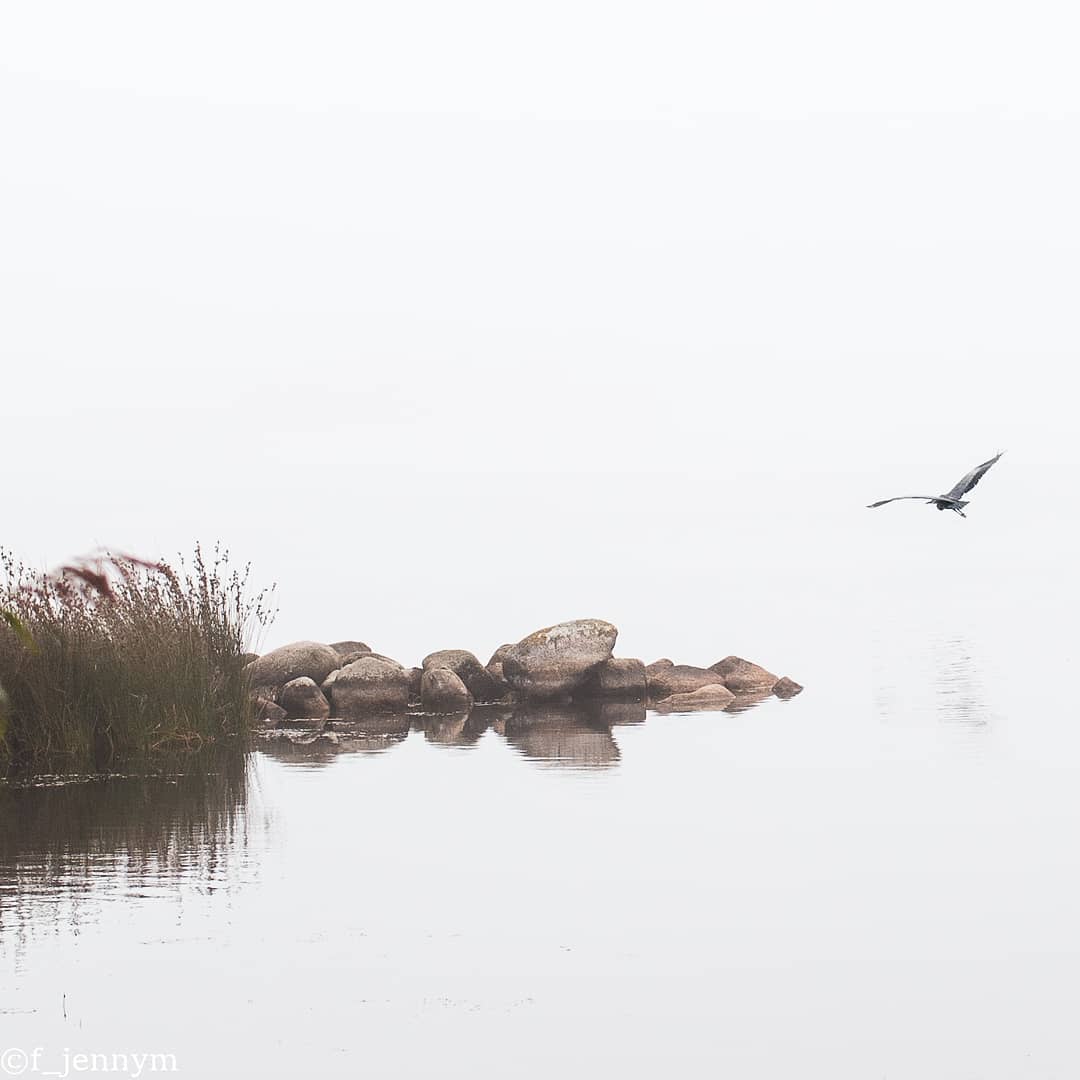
column 371, row 735
column 463, row 728
column 563, row 736
column 568, row 734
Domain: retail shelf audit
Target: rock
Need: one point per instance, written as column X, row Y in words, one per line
column 787, row 688
column 477, row 679
column 350, row 648
column 349, row 657
column 301, row 658
column 740, row 675
column 302, row 698
column 267, row 710
column 328, row 683
column 494, row 668
column 442, row 691
column 416, row 676
column 659, row 665
column 371, row 684
column 712, row 697
column 617, row 678
column 678, row 679
column 558, row 659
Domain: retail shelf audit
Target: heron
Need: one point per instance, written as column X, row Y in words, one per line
column 951, row 500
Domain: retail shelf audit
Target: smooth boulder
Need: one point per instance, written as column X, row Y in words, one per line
column 301, row 658
column 477, row 679
column 557, row 660
column 678, row 679
column 371, row 684
column 742, row 676
column 302, row 698
column 442, row 691
column 349, row 648
column 618, row 678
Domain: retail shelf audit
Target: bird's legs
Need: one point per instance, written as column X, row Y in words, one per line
column 959, row 511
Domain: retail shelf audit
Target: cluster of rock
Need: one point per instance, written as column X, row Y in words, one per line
column 569, row 662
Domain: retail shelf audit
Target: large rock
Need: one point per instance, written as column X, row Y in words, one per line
column 301, row 698
column 558, row 659
column 494, row 668
column 442, row 691
column 267, row 710
column 787, row 688
column 416, row 679
column 302, row 658
column 714, row 697
column 617, row 678
column 371, row 684
column 349, row 648
column 478, row 680
column 741, row 676
column 678, row 679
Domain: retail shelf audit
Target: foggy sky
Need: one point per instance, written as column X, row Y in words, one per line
column 457, row 320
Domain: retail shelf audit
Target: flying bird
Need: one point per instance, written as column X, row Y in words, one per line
column 951, row 500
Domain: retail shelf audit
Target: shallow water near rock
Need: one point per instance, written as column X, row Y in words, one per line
column 876, row 878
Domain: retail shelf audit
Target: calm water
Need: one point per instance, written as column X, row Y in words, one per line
column 880, row 878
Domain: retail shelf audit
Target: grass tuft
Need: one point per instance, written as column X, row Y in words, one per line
column 112, row 657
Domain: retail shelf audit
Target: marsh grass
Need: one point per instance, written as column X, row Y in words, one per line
column 113, row 657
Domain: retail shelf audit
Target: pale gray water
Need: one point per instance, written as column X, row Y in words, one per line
column 880, row 878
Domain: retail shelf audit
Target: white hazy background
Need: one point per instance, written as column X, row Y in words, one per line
column 458, row 320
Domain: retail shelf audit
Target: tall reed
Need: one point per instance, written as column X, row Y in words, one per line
column 112, row 657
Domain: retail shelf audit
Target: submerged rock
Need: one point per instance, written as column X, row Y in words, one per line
column 679, row 679
column 371, row 684
column 741, row 675
column 302, row 698
column 442, row 691
column 787, row 688
column 557, row 660
column 715, row 696
column 301, row 658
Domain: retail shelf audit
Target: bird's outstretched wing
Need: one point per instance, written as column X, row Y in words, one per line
column 972, row 478
column 897, row 498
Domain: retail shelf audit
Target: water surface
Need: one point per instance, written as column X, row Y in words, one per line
column 878, row 878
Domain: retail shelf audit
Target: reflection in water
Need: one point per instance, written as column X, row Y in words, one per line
column 59, row 843
column 960, row 692
column 941, row 680
column 562, row 735
column 571, row 735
